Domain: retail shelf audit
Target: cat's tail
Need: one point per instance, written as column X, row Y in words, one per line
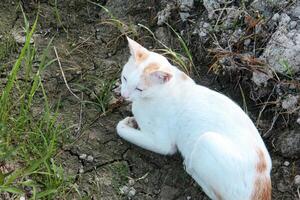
column 262, row 188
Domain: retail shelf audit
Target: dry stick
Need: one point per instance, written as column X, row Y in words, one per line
column 66, row 83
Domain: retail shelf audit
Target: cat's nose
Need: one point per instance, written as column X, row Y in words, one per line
column 125, row 95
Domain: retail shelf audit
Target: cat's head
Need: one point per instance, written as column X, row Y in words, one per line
column 144, row 73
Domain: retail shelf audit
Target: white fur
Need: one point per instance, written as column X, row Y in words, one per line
column 216, row 138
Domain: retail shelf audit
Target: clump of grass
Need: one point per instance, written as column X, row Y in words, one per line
column 7, row 45
column 29, row 143
column 288, row 70
column 184, row 62
column 121, row 174
column 103, row 96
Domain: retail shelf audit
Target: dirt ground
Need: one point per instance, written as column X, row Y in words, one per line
column 92, row 54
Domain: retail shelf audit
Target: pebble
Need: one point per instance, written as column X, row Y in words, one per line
column 276, row 17
column 22, row 198
column 293, row 24
column 83, row 156
column 297, row 180
column 131, row 182
column 286, row 163
column 247, row 42
column 298, row 120
column 131, row 192
column 90, row 158
column 81, row 171
column 124, row 189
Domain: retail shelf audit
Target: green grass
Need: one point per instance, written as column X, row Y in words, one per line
column 183, row 61
column 29, row 143
column 288, row 70
column 7, row 45
column 121, row 173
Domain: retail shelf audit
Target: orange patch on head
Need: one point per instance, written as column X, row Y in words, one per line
column 261, row 165
column 152, row 67
column 140, row 56
column 262, row 188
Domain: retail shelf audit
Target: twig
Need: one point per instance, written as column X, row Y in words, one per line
column 63, row 75
column 77, row 130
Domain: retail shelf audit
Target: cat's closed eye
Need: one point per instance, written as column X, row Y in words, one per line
column 138, row 89
column 125, row 79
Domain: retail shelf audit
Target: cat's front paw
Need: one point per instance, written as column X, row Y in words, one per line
column 128, row 122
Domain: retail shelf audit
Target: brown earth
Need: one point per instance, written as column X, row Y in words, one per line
column 92, row 54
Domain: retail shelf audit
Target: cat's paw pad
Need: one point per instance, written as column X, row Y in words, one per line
column 131, row 122
column 128, row 122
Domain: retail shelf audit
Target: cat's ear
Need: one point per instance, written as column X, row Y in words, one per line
column 139, row 52
column 160, row 77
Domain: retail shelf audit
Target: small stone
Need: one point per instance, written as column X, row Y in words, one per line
column 184, row 16
column 131, row 182
column 282, row 187
column 276, row 17
column 81, row 170
column 285, row 19
column 288, row 143
column 90, row 158
column 22, row 198
column 247, row 42
column 188, row 198
column 124, row 190
column 131, row 192
column 290, row 102
column 297, row 180
column 83, row 156
column 293, row 24
column 286, row 163
column 164, row 15
column 298, row 121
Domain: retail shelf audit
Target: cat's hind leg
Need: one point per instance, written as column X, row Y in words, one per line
column 159, row 143
column 219, row 168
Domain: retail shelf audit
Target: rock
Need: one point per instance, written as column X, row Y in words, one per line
column 297, row 180
column 90, row 158
column 260, row 78
column 184, row 16
column 211, row 6
column 286, row 163
column 124, row 189
column 284, row 20
column 131, row 192
column 164, row 15
column 202, row 29
column 293, row 25
column 186, row 5
column 290, row 102
column 282, row 51
column 131, row 182
column 163, row 35
column 20, row 37
column 288, row 143
column 168, row 193
column 282, row 187
column 266, row 6
column 83, row 156
column 276, row 17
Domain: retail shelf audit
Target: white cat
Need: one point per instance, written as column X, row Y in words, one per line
column 221, row 147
